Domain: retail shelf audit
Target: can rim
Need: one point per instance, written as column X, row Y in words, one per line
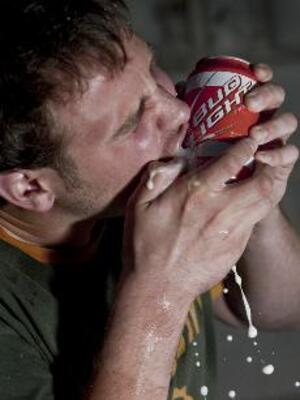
column 224, row 57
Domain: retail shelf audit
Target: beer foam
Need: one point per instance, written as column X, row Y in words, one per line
column 168, row 169
column 252, row 331
column 150, row 183
column 204, row 390
column 164, row 303
column 268, row 369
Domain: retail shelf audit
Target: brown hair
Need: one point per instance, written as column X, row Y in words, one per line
column 45, row 45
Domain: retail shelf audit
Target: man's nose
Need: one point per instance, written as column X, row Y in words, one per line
column 172, row 113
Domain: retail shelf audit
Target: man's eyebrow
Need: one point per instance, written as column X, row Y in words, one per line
column 132, row 120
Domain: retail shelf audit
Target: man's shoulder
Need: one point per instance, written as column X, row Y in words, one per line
column 11, row 262
column 15, row 265
column 12, row 256
column 27, row 309
column 25, row 350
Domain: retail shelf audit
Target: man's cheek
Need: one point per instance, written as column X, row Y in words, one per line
column 144, row 142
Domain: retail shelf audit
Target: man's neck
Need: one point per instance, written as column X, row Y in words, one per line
column 46, row 230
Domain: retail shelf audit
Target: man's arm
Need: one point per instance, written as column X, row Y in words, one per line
column 270, row 268
column 142, row 338
column 270, row 265
column 175, row 249
column 183, row 233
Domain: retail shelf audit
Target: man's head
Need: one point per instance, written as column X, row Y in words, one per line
column 83, row 106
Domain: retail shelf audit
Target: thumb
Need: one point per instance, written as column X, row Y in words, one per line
column 156, row 180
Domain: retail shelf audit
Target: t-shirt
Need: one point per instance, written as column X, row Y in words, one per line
column 52, row 320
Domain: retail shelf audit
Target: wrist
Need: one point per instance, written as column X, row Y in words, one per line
column 269, row 221
column 271, row 218
column 264, row 230
column 141, row 340
column 158, row 298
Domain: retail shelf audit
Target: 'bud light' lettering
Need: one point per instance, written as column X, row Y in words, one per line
column 215, row 109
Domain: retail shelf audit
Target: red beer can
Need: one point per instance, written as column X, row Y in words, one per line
column 215, row 92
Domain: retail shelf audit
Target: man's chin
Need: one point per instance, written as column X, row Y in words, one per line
column 117, row 207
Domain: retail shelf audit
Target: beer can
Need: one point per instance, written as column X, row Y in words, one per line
column 215, row 92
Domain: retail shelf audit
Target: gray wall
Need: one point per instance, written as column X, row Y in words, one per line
column 183, row 31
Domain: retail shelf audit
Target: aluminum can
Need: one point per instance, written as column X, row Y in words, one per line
column 215, row 92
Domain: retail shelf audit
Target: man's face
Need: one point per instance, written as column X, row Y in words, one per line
column 118, row 126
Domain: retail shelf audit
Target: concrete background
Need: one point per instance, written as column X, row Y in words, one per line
column 182, row 31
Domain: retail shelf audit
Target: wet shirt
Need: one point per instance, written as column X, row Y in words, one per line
column 53, row 311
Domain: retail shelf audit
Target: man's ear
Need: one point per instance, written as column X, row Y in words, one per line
column 27, row 190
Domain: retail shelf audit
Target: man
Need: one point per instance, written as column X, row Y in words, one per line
column 84, row 112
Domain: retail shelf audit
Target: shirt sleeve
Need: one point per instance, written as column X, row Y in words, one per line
column 24, row 374
column 217, row 291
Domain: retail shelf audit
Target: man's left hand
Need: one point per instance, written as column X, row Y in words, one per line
column 266, row 98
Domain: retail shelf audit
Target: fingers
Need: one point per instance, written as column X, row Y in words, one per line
column 229, row 165
column 284, row 156
column 267, row 186
column 280, row 127
column 263, row 72
column 253, row 199
column 265, row 97
column 156, row 180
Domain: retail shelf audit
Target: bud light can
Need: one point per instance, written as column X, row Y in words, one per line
column 215, row 92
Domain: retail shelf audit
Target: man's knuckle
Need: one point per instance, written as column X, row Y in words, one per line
column 237, row 156
column 190, row 203
column 274, row 126
column 265, row 186
column 214, row 226
column 232, row 164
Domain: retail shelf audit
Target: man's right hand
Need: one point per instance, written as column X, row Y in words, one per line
column 189, row 229
column 183, row 233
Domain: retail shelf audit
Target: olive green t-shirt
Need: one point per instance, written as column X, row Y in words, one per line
column 52, row 321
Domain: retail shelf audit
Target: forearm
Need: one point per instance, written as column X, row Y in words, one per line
column 142, row 338
column 271, row 270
